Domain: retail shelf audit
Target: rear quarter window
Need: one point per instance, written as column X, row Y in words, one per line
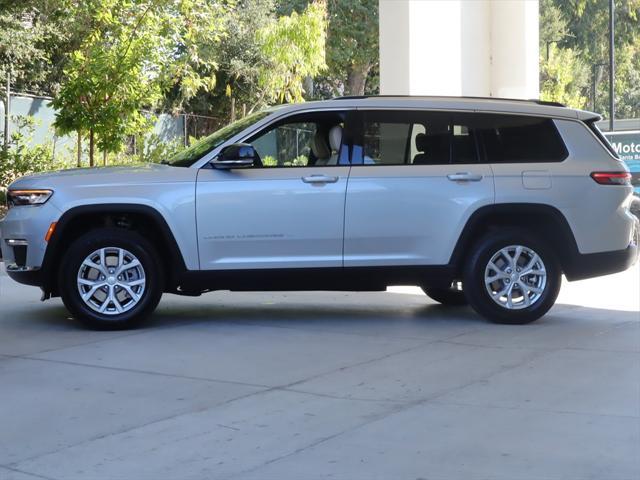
column 519, row 139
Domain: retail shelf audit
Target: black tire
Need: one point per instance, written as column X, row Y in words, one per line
column 474, row 278
column 447, row 296
column 97, row 239
column 635, row 206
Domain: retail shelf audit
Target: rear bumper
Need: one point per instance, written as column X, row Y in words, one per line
column 596, row 264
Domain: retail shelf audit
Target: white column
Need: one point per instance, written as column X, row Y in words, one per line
column 459, row 47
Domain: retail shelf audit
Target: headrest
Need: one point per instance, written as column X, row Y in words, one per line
column 335, row 138
column 421, row 142
column 319, row 145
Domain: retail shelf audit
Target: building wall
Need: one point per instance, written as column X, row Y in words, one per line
column 459, row 47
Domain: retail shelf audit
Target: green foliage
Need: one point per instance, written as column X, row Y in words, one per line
column 153, row 149
column 134, row 50
column 299, row 161
column 294, row 48
column 562, row 77
column 32, row 35
column 582, row 27
column 22, row 157
column 353, row 42
column 352, row 46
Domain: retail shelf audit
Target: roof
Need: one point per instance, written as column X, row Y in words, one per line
column 485, row 104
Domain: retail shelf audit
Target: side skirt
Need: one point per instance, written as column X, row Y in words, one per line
column 305, row 279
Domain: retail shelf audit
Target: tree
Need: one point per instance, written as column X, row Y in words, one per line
column 587, row 23
column 353, row 41
column 562, row 77
column 353, row 57
column 134, row 50
column 293, row 47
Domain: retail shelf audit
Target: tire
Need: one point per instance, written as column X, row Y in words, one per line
column 451, row 296
column 635, row 206
column 113, row 302
column 522, row 300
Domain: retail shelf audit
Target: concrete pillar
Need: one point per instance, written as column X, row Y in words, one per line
column 459, row 47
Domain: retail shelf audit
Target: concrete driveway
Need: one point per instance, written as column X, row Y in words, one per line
column 324, row 385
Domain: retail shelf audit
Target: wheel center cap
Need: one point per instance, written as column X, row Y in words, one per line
column 514, row 277
column 111, row 280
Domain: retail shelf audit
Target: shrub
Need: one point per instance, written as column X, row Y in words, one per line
column 20, row 157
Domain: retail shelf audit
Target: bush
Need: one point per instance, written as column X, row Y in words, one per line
column 150, row 149
column 21, row 158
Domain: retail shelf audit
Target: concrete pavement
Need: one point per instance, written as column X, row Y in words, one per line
column 324, row 385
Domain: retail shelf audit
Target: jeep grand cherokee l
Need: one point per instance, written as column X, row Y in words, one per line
column 484, row 201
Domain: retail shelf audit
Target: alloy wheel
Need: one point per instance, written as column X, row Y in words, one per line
column 111, row 281
column 515, row 277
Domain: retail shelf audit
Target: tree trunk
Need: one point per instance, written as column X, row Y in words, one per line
column 79, row 149
column 233, row 109
column 91, row 147
column 104, row 158
column 7, row 111
column 356, row 80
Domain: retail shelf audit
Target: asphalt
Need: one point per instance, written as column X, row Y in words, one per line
column 324, row 385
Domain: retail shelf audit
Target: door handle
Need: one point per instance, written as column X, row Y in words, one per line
column 464, row 177
column 319, row 179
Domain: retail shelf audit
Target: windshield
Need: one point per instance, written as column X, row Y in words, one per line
column 189, row 156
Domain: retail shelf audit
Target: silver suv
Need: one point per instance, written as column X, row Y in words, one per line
column 479, row 201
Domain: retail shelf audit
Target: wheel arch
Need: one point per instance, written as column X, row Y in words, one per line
column 141, row 218
column 545, row 220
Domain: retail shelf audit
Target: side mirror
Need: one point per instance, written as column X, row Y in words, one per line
column 237, row 155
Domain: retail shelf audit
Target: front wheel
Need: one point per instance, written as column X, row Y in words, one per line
column 511, row 278
column 110, row 279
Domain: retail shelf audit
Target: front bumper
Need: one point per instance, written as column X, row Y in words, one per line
column 22, row 235
column 25, row 275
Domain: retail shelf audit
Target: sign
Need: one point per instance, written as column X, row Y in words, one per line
column 625, row 144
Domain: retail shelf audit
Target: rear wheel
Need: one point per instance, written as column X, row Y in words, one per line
column 512, row 278
column 452, row 296
column 110, row 279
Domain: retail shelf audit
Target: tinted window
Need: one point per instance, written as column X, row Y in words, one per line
column 516, row 139
column 313, row 139
column 416, row 138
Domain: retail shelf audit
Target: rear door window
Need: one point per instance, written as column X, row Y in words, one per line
column 397, row 137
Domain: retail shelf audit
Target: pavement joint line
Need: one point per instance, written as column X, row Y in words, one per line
column 112, row 337
column 132, row 428
column 337, row 397
column 336, row 332
column 24, row 472
column 265, row 390
column 537, row 410
column 384, row 415
column 142, row 372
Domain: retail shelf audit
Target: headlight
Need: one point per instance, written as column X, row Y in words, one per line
column 17, row 198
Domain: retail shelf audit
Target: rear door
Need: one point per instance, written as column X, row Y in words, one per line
column 415, row 180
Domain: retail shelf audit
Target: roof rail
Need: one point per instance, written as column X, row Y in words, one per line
column 532, row 100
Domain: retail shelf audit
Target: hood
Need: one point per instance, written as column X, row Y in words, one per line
column 98, row 176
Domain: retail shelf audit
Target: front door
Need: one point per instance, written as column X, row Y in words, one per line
column 286, row 212
column 416, row 177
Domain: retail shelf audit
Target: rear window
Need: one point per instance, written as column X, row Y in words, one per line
column 519, row 139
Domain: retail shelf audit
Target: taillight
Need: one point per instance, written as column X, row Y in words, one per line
column 612, row 178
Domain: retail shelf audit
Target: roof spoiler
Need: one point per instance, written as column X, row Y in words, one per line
column 587, row 116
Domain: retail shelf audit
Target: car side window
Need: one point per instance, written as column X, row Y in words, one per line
column 311, row 139
column 416, row 138
column 520, row 139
